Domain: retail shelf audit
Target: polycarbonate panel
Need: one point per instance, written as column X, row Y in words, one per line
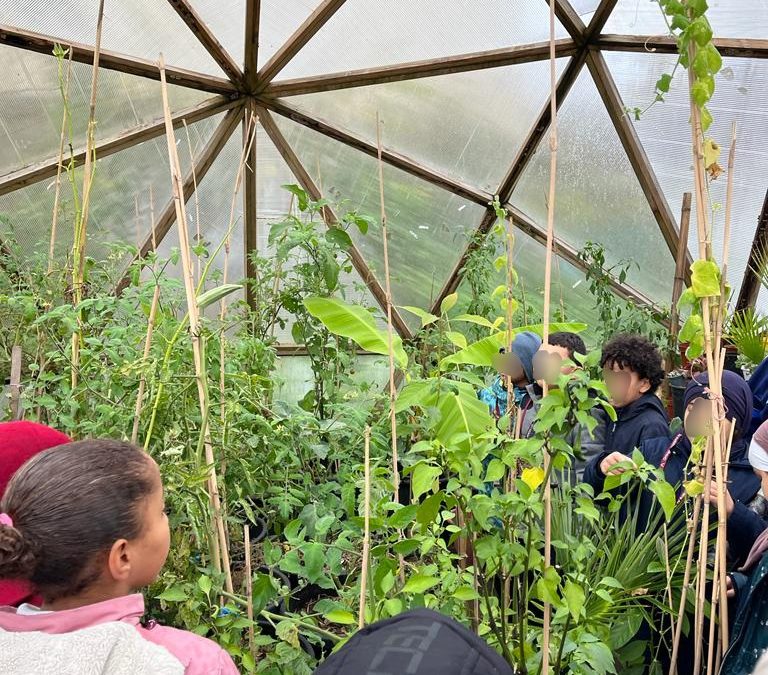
column 729, row 18
column 428, row 227
column 120, row 180
column 227, row 22
column 279, row 20
column 141, row 28
column 295, row 375
column 740, row 97
column 481, row 117
column 32, row 110
column 370, row 33
column 598, row 196
column 273, row 203
column 762, row 300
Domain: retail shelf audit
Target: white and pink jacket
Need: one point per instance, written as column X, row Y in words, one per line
column 198, row 655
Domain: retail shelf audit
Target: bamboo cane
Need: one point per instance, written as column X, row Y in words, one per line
column 81, row 221
column 366, row 528
column 194, row 329
column 198, row 237
column 150, row 329
column 249, row 588
column 65, row 123
column 545, row 336
column 390, row 330
column 713, row 450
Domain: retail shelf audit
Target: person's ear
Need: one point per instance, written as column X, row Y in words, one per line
column 645, row 385
column 119, row 560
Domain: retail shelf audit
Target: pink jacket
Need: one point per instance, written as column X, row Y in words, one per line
column 199, row 655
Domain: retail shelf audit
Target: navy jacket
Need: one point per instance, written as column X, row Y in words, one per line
column 744, row 524
column 635, row 423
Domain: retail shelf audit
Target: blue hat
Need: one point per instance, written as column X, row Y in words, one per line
column 525, row 345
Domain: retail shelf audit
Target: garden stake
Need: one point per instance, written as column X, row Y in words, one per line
column 390, row 337
column 150, row 330
column 15, row 382
column 367, row 528
column 198, row 237
column 81, row 217
column 65, row 125
column 249, row 588
column 194, row 330
column 545, row 336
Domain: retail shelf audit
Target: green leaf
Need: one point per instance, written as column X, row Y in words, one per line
column 424, row 478
column 418, row 392
column 474, row 318
column 546, row 586
column 714, row 59
column 705, row 279
column 574, row 598
column 314, row 561
column 301, row 195
column 288, row 632
column 700, row 93
column 706, row 118
column 700, row 31
column 697, row 7
column 357, row 324
column 687, row 299
column 420, row 583
column 496, row 470
column 461, row 414
column 693, row 325
column 215, row 294
column 204, row 583
column 173, row 594
column 664, row 83
column 625, row 627
column 456, row 338
column 693, row 487
column 429, row 508
column 338, row 236
column 426, row 317
column 466, row 593
column 340, row 616
column 665, row 493
column 403, row 516
column 448, row 303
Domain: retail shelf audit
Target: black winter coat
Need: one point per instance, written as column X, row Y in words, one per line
column 635, row 423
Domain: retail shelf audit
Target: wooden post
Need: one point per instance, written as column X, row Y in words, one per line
column 680, row 261
column 16, row 382
column 249, row 587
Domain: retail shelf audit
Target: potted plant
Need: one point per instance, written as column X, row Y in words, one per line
column 747, row 331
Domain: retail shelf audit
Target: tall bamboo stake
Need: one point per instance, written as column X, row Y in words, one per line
column 249, row 588
column 194, row 329
column 196, row 194
column 150, row 329
column 390, row 330
column 547, row 298
column 81, row 222
column 65, row 125
column 366, row 529
column 713, row 450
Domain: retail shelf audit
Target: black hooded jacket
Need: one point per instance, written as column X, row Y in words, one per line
column 639, row 421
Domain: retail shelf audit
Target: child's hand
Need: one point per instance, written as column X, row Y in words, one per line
column 729, row 504
column 730, row 591
column 611, row 460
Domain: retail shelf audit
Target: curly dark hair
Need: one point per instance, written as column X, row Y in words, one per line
column 637, row 354
column 572, row 342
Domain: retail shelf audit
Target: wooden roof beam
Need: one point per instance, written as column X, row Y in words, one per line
column 750, row 286
column 655, row 44
column 303, row 34
column 44, row 44
column 126, row 139
column 252, row 22
column 205, row 36
column 495, row 58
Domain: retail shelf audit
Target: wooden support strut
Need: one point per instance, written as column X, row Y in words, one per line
column 680, row 265
column 330, row 218
column 205, row 36
column 252, row 22
column 250, row 210
column 44, row 44
column 659, row 44
column 122, row 141
column 195, row 175
column 495, row 58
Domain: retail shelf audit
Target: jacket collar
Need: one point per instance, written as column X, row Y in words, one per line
column 128, row 608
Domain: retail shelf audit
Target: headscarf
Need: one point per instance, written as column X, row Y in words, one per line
column 737, row 398
column 19, row 441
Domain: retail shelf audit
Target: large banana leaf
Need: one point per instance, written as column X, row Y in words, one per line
column 357, row 324
column 482, row 352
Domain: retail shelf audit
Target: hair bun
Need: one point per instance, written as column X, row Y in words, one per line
column 17, row 559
